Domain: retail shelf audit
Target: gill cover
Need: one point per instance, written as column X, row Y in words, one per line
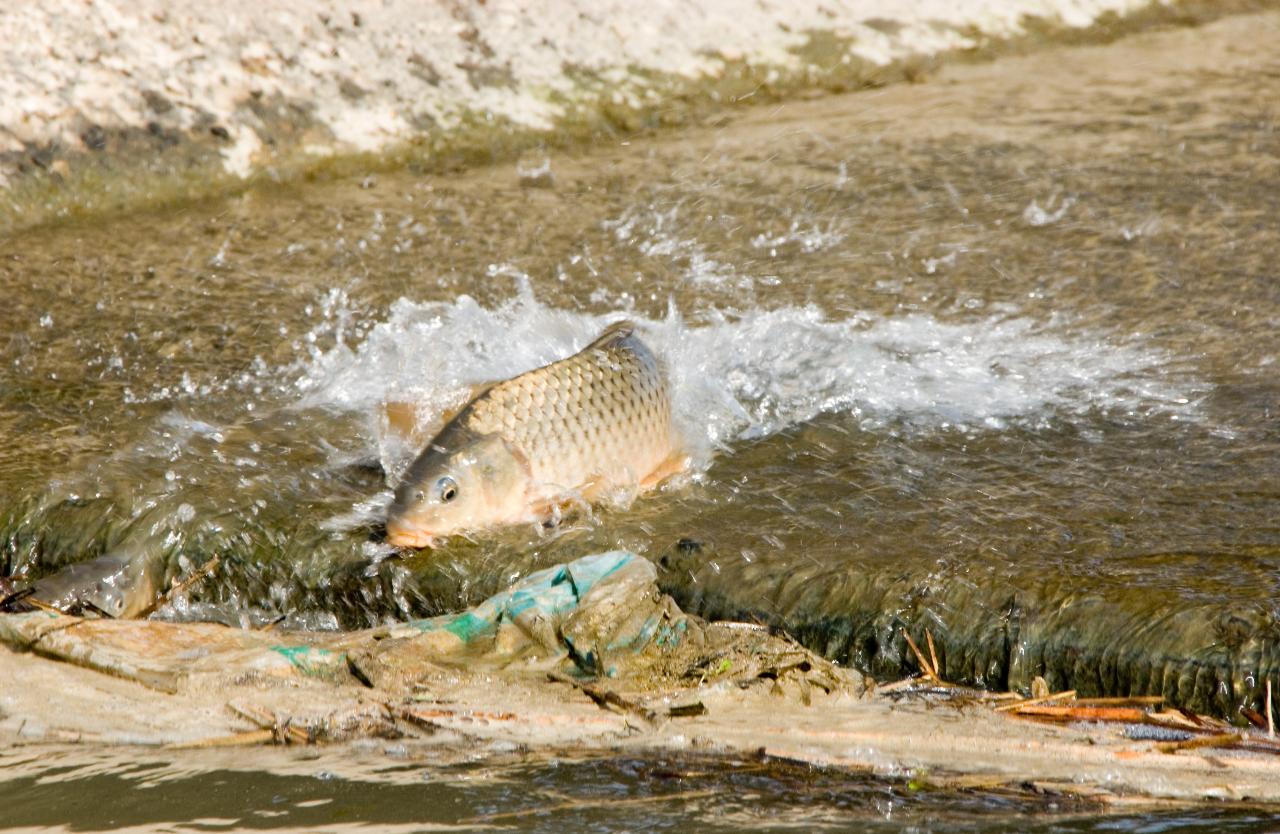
column 477, row 483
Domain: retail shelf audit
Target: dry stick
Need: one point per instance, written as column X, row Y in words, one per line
column 905, row 683
column 431, row 726
column 15, row 596
column 86, row 605
column 293, row 734
column 1126, row 701
column 1190, row 716
column 1060, row 696
column 933, row 654
column 1220, row 740
column 1181, row 720
column 1171, row 721
column 254, row 715
column 1125, row 714
column 181, row 587
column 270, row 624
column 1001, row 696
column 44, row 606
column 924, row 664
column 464, row 714
column 1271, row 714
column 283, row 730
column 234, row 740
column 1254, row 717
column 200, row 574
column 605, row 699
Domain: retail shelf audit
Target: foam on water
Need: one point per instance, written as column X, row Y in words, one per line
column 747, row 374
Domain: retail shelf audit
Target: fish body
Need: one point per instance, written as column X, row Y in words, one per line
column 123, row 583
column 573, row 430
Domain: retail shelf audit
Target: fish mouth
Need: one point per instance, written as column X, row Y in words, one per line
column 402, row 535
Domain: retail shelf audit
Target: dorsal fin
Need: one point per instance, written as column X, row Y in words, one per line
column 613, row 334
column 402, row 419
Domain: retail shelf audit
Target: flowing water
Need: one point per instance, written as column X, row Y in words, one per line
column 995, row 355
column 54, row 791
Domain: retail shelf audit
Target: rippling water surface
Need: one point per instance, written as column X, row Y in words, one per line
column 56, row 791
column 928, row 336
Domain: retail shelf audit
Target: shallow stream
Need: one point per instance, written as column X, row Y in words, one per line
column 60, row 790
column 994, row 355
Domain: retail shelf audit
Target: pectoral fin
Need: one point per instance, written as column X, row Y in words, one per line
column 673, row 464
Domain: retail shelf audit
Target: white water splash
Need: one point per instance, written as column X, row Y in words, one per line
column 754, row 373
column 807, row 238
column 659, row 233
column 1034, row 215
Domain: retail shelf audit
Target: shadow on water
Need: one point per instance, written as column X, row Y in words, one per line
column 990, row 358
column 608, row 795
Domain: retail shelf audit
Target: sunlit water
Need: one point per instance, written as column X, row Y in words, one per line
column 1014, row 380
column 394, row 790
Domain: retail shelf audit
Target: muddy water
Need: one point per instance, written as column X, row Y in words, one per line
column 163, row 791
column 995, row 355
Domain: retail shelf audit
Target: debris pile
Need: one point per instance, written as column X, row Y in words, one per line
column 590, row 655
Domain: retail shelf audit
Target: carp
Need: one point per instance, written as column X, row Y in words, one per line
column 573, row 431
column 124, row 583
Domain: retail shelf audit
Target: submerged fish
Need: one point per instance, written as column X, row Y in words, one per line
column 573, row 430
column 122, row 583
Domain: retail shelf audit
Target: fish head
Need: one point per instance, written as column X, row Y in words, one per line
column 480, row 483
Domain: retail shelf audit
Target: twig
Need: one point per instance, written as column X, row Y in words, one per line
column 201, row 573
column 1060, row 696
column 1190, row 716
column 933, row 653
column 88, row 605
column 887, row 688
column 1129, row 701
column 234, row 740
column 1271, row 713
column 15, row 596
column 283, row 730
column 605, row 699
column 254, row 715
column 1179, row 721
column 423, row 720
column 44, row 606
column 924, row 664
column 1217, row 740
column 1126, row 714
column 467, row 715
column 272, row 623
column 1255, row 718
column 289, row 733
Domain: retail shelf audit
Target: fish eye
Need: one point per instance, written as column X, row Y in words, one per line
column 447, row 489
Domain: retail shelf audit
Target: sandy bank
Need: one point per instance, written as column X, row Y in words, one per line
column 110, row 105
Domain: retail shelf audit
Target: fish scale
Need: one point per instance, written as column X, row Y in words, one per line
column 603, row 413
